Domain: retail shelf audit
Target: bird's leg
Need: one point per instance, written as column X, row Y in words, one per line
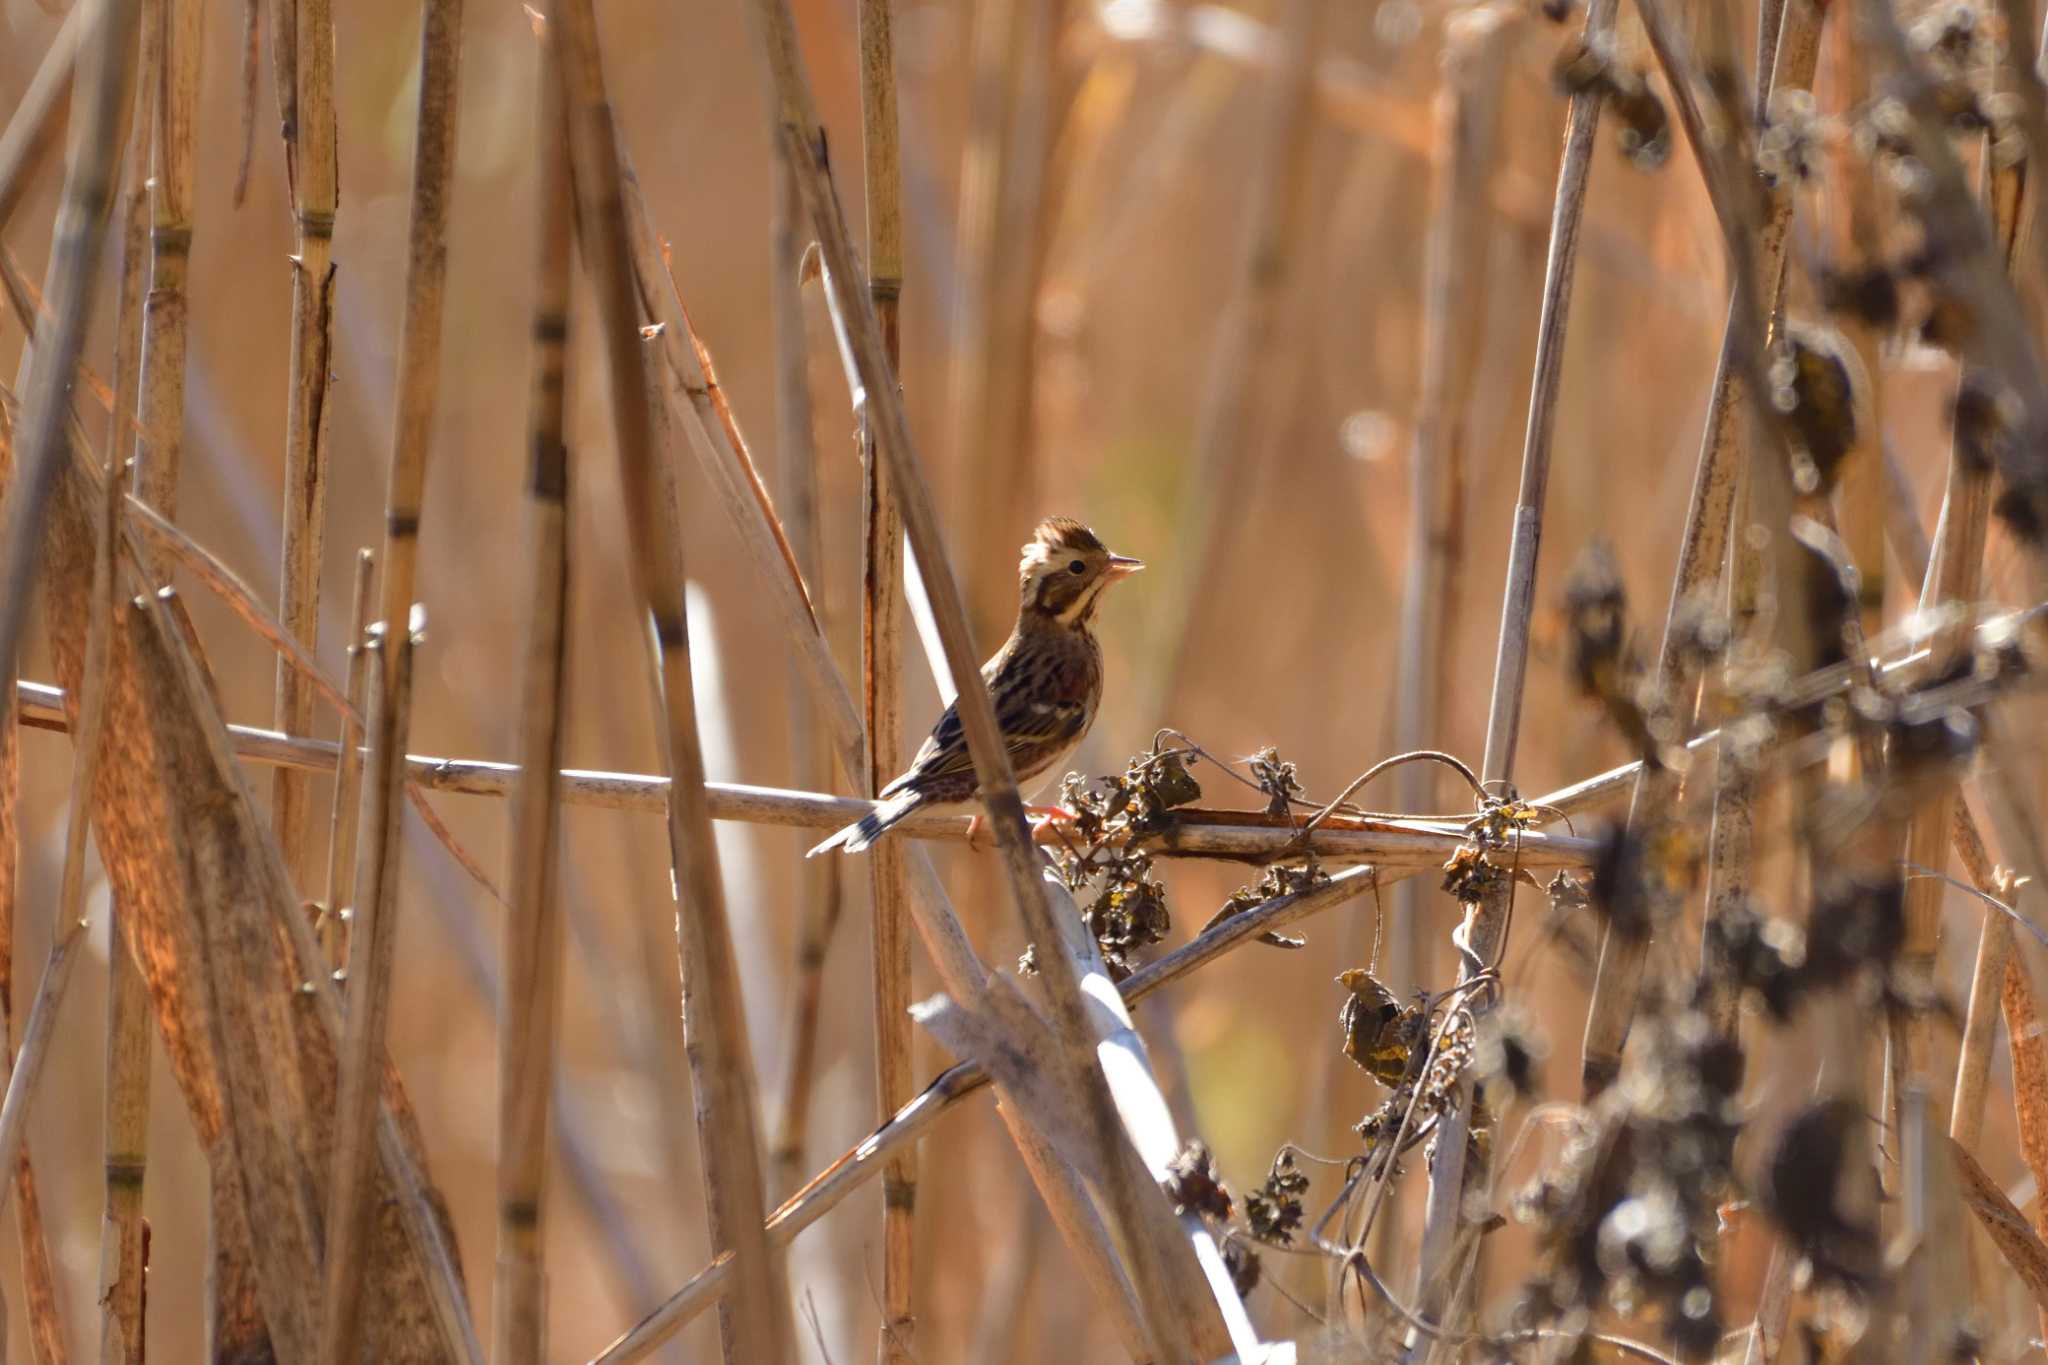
column 974, row 832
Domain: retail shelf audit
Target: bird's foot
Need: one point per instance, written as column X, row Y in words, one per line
column 974, row 833
column 1048, row 815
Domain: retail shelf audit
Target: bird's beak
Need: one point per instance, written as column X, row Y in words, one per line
column 1121, row 567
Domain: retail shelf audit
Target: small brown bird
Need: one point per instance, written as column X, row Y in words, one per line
column 1046, row 683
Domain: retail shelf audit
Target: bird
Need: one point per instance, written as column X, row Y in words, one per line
column 1045, row 682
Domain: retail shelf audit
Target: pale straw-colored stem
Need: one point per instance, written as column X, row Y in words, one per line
column 374, row 925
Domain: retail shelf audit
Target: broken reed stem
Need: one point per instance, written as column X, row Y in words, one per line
column 758, row 1325
column 1702, row 550
column 1232, row 423
column 1487, row 921
column 373, row 929
column 1169, row 1294
column 345, row 820
column 821, row 881
column 174, row 99
column 89, row 187
column 852, row 1170
column 529, row 1011
column 305, row 62
column 32, row 127
column 882, row 656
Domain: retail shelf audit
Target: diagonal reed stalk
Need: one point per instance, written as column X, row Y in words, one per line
column 529, row 1010
column 32, row 127
column 1184, row 1310
column 882, row 676
column 305, row 70
column 373, row 931
column 954, row 1086
column 1487, row 920
column 821, row 883
column 1703, row 546
column 757, row 1327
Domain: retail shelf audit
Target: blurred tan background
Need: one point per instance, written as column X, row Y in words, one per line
column 1153, row 164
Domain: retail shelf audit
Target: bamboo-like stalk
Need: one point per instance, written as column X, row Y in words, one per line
column 1487, row 922
column 1180, row 1315
column 89, row 188
column 1703, row 547
column 758, row 1325
column 821, row 881
column 305, row 62
column 1454, row 287
column 1230, row 426
column 32, row 127
column 831, row 1185
column 124, row 1234
column 882, row 691
column 373, row 931
column 346, row 818
column 530, row 1001
column 174, row 95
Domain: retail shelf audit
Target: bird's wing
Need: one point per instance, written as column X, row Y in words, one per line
column 1030, row 721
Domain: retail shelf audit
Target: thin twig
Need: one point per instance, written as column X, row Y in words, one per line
column 373, row 933
column 346, row 818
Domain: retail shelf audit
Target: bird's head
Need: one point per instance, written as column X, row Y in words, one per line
column 1064, row 570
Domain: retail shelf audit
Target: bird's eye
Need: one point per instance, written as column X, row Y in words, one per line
column 1077, row 567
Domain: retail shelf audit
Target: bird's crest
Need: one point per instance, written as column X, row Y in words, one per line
column 1058, row 536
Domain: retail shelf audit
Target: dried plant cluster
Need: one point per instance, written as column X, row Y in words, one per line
column 1794, row 1133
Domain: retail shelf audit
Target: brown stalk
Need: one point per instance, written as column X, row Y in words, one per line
column 304, row 58
column 174, row 96
column 882, row 677
column 1170, row 1287
column 1467, row 113
column 346, row 818
column 1232, row 421
column 852, row 1170
column 373, row 931
column 1703, row 546
column 757, row 1327
column 820, row 879
column 32, row 127
column 1487, row 921
column 530, row 997
column 124, row 1234
column 89, row 188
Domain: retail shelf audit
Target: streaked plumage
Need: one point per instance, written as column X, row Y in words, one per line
column 1046, row 682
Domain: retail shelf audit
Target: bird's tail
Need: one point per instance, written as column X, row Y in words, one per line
column 871, row 826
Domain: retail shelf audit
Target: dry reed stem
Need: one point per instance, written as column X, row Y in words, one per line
column 955, row 1085
column 174, row 97
column 32, row 127
column 305, row 76
column 373, row 931
column 89, row 187
column 1233, row 420
column 1169, row 1286
column 882, row 677
column 1703, row 546
column 757, row 1327
column 124, row 1233
column 821, row 880
column 2019, row 1244
column 529, row 1012
column 1454, row 284
column 1487, row 921
column 345, row 820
